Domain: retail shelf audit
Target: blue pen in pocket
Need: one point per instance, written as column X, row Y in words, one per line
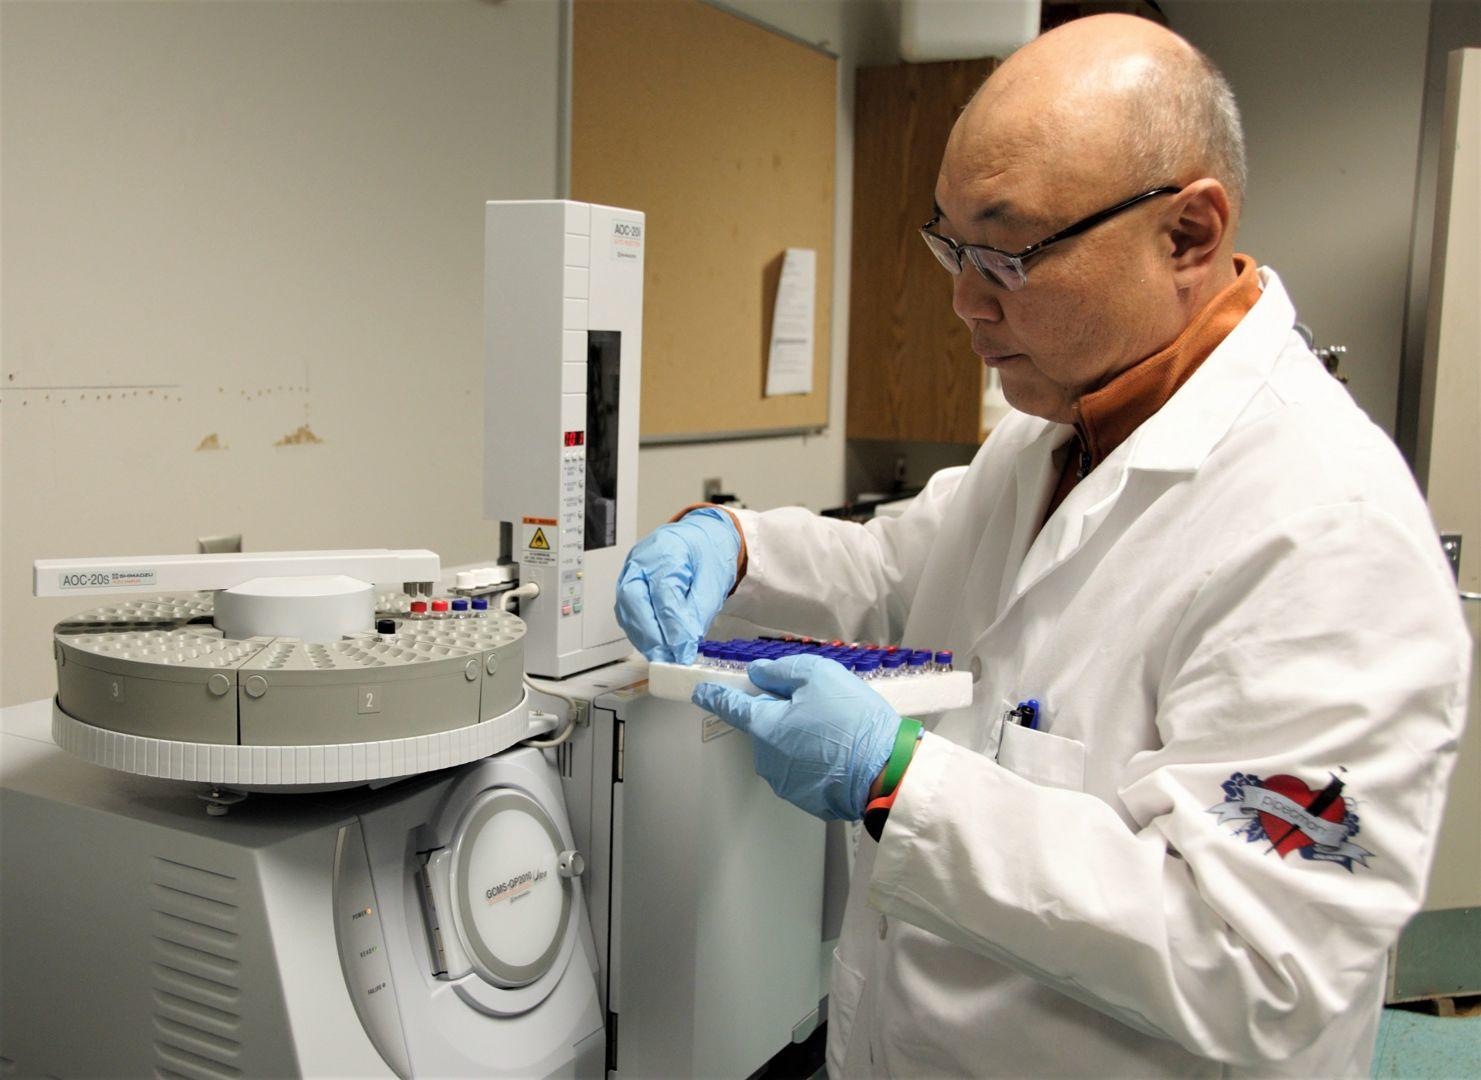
column 1027, row 714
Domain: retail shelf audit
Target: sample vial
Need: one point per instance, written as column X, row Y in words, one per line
column 439, row 609
column 460, row 608
column 480, row 608
column 943, row 660
column 418, row 610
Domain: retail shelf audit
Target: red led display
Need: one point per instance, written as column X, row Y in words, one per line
column 575, row 438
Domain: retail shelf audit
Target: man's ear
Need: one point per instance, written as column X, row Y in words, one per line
column 1198, row 222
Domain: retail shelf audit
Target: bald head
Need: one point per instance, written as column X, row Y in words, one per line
column 1047, row 161
column 1117, row 99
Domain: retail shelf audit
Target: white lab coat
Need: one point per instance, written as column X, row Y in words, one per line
column 1249, row 585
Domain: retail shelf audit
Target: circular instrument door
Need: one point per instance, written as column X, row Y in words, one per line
column 511, row 906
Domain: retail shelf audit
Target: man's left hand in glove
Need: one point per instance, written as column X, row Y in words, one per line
column 820, row 735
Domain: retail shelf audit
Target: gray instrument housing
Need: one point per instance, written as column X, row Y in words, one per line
column 143, row 937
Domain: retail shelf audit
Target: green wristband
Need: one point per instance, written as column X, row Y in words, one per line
column 905, row 740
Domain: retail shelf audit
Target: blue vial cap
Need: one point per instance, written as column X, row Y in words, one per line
column 894, row 660
column 480, row 604
column 943, row 657
column 460, row 604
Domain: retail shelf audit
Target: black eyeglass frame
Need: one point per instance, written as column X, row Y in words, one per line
column 948, row 250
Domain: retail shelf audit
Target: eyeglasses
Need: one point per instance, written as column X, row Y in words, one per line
column 1004, row 268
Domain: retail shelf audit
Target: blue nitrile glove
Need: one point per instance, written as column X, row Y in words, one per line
column 821, row 741
column 674, row 583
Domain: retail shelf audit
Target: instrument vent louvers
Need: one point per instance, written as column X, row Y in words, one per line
column 197, row 961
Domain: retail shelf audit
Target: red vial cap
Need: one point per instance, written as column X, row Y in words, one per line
column 439, row 605
column 892, row 648
column 419, row 606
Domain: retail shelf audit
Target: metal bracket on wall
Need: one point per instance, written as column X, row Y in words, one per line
column 1450, row 544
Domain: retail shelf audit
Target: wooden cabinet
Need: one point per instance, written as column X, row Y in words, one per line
column 912, row 375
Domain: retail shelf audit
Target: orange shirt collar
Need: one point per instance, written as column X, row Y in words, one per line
column 1105, row 418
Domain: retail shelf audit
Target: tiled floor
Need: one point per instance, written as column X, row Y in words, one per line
column 1413, row 1045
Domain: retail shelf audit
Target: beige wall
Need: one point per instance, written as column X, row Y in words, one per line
column 1449, row 451
column 1331, row 92
column 269, row 215
column 236, row 220
column 1454, row 24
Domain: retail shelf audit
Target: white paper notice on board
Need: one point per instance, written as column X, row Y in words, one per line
column 790, row 360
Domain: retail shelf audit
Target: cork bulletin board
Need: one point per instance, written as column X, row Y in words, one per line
column 722, row 132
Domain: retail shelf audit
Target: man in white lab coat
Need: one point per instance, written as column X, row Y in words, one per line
column 1211, row 572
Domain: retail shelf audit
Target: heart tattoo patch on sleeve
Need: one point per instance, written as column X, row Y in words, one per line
column 1287, row 814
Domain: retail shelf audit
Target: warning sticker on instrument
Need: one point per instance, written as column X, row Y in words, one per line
column 713, row 728
column 539, row 546
column 630, row 691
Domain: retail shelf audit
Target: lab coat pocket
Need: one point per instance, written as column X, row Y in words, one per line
column 1042, row 757
column 846, row 987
